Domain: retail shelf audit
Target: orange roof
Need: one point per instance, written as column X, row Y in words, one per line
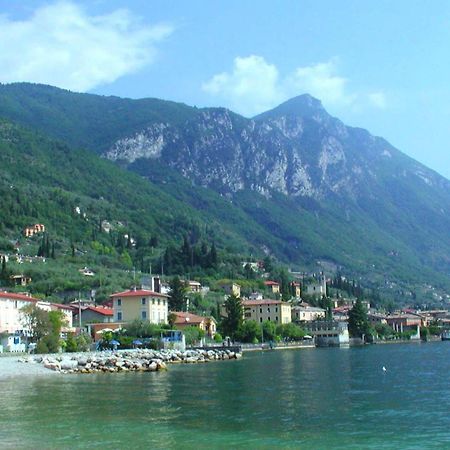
column 101, row 310
column 271, row 283
column 13, row 296
column 138, row 293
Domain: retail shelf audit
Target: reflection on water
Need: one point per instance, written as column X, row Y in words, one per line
column 324, row 398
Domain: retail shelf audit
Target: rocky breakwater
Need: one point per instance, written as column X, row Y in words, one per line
column 128, row 360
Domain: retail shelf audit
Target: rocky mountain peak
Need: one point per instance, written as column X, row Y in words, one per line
column 304, row 105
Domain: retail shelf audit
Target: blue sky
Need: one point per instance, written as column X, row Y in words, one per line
column 381, row 65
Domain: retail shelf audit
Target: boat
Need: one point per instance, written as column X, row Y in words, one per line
column 445, row 336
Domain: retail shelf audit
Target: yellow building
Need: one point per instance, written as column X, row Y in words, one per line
column 140, row 304
column 273, row 285
column 232, row 289
column 271, row 310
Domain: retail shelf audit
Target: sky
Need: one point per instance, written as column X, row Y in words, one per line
column 381, row 65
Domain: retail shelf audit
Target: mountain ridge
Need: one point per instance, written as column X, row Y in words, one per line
column 314, row 187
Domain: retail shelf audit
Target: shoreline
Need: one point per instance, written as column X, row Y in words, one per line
column 133, row 360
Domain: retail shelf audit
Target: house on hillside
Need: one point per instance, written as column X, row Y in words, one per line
column 317, row 288
column 274, row 286
column 232, row 289
column 20, row 280
column 295, row 289
column 34, row 229
column 140, row 304
column 186, row 319
column 192, row 286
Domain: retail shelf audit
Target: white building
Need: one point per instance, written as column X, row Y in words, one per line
column 11, row 316
column 307, row 313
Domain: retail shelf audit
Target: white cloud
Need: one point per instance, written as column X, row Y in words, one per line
column 378, row 99
column 254, row 85
column 321, row 81
column 61, row 45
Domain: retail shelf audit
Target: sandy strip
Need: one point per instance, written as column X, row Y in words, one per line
column 10, row 366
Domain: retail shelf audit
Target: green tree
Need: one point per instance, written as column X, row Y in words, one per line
column 171, row 319
column 232, row 323
column 177, row 295
column 269, row 330
column 358, row 323
column 249, row 331
column 290, row 331
column 36, row 320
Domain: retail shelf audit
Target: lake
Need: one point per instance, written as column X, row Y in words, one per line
column 327, row 398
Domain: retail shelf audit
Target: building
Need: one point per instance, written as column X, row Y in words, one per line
column 273, row 286
column 186, row 319
column 34, row 229
column 402, row 323
column 140, row 304
column 271, row 310
column 318, row 288
column 232, row 289
column 307, row 313
column 11, row 318
column 193, row 286
column 93, row 314
column 376, row 318
column 20, row 280
column 328, row 332
column 296, row 289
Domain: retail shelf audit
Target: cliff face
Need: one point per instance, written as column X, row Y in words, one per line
column 297, row 149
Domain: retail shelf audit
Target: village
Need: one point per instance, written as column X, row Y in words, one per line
column 149, row 304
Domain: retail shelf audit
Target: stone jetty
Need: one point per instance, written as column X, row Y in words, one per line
column 139, row 360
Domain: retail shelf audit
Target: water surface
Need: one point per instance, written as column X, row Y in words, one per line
column 303, row 399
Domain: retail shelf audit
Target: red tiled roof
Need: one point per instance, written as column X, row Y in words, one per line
column 13, row 296
column 271, row 283
column 185, row 317
column 101, row 310
column 138, row 293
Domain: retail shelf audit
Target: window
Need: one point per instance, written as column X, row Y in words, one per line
column 260, row 310
column 247, row 314
column 119, row 316
column 119, row 302
column 268, row 310
column 276, row 309
column 260, row 319
column 144, row 314
column 143, row 301
column 158, row 301
column 276, row 319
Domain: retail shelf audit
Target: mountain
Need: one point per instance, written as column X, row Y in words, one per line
column 294, row 181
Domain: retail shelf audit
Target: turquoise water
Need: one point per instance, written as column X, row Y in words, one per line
column 306, row 399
